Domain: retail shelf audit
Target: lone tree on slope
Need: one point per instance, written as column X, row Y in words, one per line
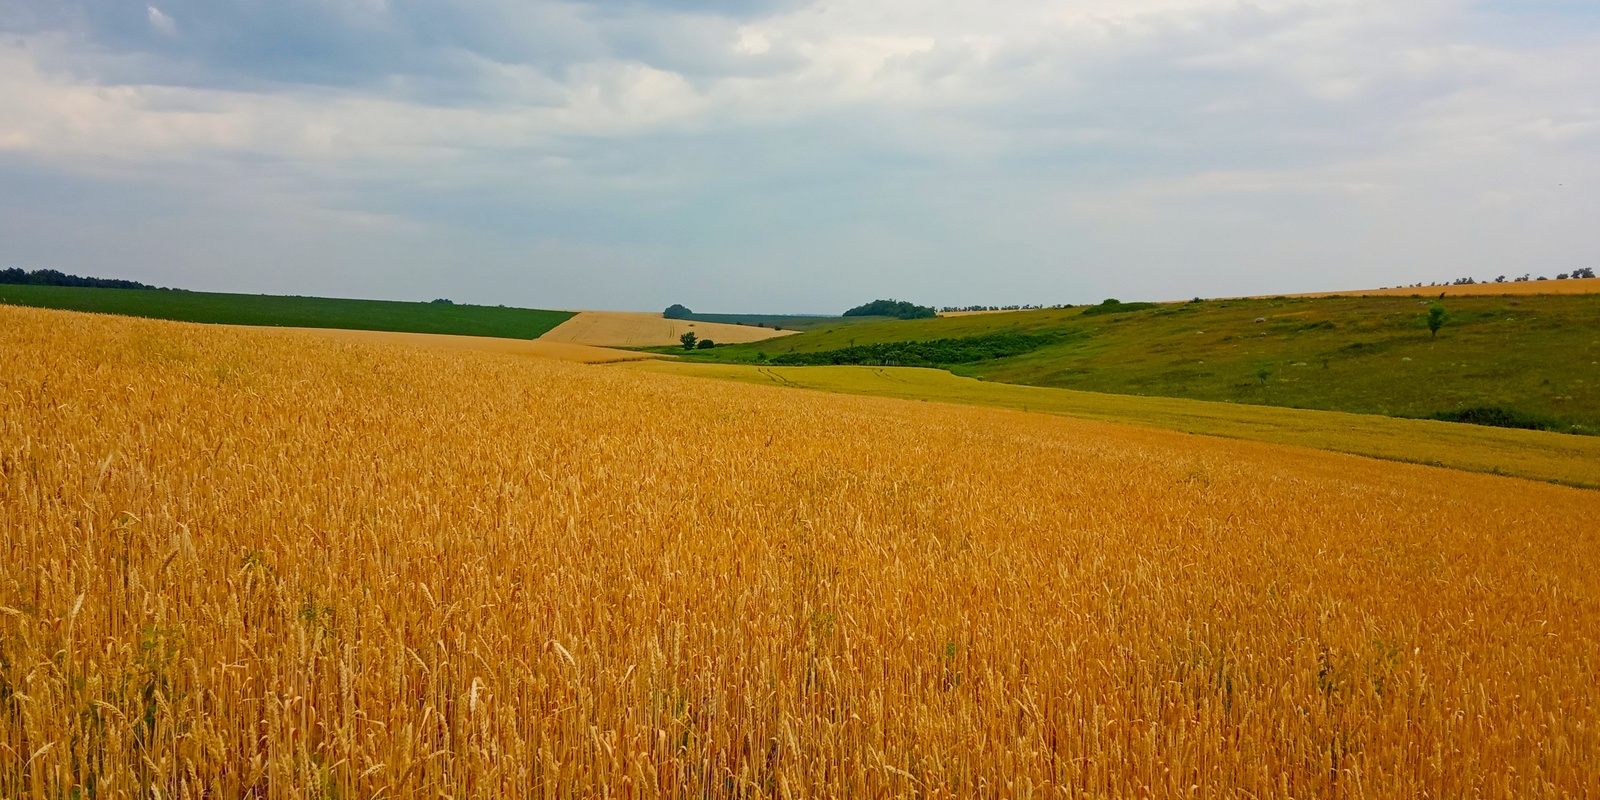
column 688, row 340
column 1436, row 314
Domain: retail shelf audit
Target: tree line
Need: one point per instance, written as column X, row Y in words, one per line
column 50, row 277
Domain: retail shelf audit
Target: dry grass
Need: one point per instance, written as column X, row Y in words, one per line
column 241, row 564
column 580, row 353
column 639, row 329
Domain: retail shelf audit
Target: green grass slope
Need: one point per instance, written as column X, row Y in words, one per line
column 298, row 312
column 1537, row 355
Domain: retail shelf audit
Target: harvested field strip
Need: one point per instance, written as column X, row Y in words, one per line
column 1509, row 288
column 239, row 564
column 1537, row 455
column 638, row 329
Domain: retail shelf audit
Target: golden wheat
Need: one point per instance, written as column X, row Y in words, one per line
column 241, row 564
column 539, row 348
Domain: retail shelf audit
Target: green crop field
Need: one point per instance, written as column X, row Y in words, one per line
column 1537, row 356
column 296, row 312
column 1537, row 455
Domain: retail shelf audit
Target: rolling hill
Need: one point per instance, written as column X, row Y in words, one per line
column 1535, row 356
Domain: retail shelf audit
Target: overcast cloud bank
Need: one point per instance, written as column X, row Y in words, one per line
column 792, row 156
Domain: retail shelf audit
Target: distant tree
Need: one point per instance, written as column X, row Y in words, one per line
column 677, row 311
column 1501, row 279
column 1584, row 272
column 1561, row 277
column 899, row 309
column 688, row 340
column 705, row 344
column 443, row 301
column 1436, row 315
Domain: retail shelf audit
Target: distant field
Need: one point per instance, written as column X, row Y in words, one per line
column 298, row 312
column 644, row 329
column 787, row 322
column 1537, row 455
column 1372, row 355
column 1509, row 288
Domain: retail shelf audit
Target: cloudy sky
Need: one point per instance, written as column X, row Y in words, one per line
column 797, row 156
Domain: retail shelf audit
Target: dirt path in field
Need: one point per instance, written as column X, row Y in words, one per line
column 643, row 329
column 564, row 351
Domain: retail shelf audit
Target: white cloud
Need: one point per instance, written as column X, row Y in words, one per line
column 161, row 23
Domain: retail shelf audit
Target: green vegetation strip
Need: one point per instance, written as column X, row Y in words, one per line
column 939, row 352
column 1537, row 455
column 297, row 312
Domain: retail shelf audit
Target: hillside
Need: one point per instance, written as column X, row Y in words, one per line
column 294, row 312
column 1537, row 355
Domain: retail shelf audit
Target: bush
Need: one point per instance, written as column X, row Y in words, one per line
column 705, row 344
column 1501, row 417
column 1115, row 306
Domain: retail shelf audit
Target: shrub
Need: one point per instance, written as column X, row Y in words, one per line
column 1502, row 417
column 1114, row 306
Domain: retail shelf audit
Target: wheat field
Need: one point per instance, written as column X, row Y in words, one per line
column 242, row 564
column 538, row 348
